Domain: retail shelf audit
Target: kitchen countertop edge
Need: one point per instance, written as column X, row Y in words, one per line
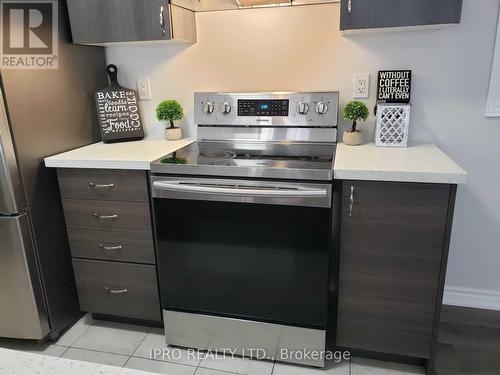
column 420, row 162
column 16, row 362
column 423, row 163
column 395, row 176
column 135, row 155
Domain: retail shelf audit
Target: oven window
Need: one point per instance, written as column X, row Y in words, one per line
column 258, row 262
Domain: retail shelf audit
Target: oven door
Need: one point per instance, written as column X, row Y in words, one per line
column 244, row 249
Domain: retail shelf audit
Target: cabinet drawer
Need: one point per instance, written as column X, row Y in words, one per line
column 107, row 215
column 103, row 184
column 130, row 246
column 121, row 289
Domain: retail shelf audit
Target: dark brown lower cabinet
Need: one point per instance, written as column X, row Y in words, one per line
column 393, row 252
column 108, row 221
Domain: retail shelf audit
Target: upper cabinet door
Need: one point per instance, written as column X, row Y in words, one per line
column 371, row 14
column 118, row 21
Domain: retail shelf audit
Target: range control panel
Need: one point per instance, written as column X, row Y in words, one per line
column 262, row 107
column 288, row 109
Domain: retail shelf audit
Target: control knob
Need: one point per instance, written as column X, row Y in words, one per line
column 302, row 108
column 225, row 108
column 208, row 108
column 321, row 108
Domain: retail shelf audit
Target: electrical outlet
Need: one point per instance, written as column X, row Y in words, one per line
column 144, row 88
column 361, row 85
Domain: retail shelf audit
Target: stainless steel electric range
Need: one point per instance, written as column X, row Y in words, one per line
column 244, row 228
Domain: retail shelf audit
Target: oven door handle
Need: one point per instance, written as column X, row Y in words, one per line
column 235, row 190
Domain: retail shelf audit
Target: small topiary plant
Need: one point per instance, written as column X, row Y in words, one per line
column 169, row 110
column 355, row 111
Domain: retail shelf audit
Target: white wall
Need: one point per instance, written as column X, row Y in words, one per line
column 301, row 48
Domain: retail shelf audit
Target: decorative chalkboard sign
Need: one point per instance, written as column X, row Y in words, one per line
column 394, row 86
column 118, row 111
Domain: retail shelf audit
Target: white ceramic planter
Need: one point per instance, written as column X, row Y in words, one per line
column 352, row 139
column 173, row 134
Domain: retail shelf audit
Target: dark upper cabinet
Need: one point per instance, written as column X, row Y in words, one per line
column 372, row 14
column 101, row 22
column 393, row 253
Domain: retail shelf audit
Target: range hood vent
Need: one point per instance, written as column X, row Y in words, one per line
column 262, row 3
column 212, row 5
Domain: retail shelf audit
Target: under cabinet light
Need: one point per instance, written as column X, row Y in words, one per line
column 263, row 3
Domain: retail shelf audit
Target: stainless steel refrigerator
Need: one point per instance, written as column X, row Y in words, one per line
column 42, row 112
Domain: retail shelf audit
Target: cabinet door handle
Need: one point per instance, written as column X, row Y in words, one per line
column 116, row 291
column 349, row 10
column 351, row 200
column 162, row 22
column 105, row 217
column 115, row 248
column 101, row 186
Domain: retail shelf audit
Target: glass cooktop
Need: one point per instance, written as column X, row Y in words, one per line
column 302, row 161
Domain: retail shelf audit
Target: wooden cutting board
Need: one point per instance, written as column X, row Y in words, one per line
column 118, row 111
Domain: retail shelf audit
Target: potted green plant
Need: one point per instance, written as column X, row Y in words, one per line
column 354, row 111
column 169, row 111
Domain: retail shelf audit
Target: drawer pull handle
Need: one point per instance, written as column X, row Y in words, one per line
column 116, row 248
column 162, row 22
column 105, row 217
column 116, row 291
column 101, row 186
column 351, row 201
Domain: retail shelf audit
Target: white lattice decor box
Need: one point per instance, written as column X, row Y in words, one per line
column 392, row 125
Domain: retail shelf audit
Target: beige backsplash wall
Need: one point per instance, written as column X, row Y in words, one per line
column 301, row 48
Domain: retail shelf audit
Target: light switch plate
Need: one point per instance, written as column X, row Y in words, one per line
column 361, row 85
column 144, row 88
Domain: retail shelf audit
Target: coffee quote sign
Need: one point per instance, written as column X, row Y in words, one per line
column 394, row 86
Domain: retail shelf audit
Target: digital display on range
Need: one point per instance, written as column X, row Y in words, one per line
column 261, row 107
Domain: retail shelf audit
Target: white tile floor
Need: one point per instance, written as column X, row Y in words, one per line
column 130, row 346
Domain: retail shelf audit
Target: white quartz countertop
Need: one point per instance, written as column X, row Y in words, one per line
column 417, row 163
column 13, row 362
column 122, row 155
